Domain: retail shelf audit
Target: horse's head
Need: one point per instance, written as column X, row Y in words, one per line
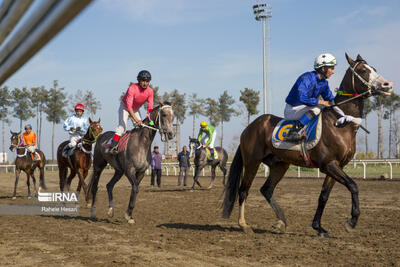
column 163, row 116
column 15, row 140
column 95, row 129
column 364, row 78
column 194, row 141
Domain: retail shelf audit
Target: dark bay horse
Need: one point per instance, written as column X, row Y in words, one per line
column 200, row 161
column 81, row 159
column 24, row 162
column 134, row 160
column 335, row 149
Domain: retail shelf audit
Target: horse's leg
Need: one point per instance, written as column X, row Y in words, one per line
column 84, row 174
column 70, row 177
column 28, row 184
column 277, row 171
column 248, row 177
column 62, row 174
column 333, row 170
column 34, row 183
column 17, row 173
column 223, row 169
column 93, row 185
column 110, row 186
column 196, row 176
column 134, row 192
column 323, row 198
column 42, row 184
column 212, row 176
column 82, row 181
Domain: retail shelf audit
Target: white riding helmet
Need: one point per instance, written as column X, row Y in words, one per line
column 324, row 59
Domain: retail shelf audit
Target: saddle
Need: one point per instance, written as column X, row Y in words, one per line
column 208, row 153
column 123, row 142
column 313, row 132
column 33, row 156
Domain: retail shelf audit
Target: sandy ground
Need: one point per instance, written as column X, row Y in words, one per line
column 176, row 227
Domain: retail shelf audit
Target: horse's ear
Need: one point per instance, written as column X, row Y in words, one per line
column 351, row 61
column 90, row 120
column 11, row 132
column 19, row 133
column 359, row 58
column 99, row 120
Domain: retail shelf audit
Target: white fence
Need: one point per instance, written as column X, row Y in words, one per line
column 173, row 168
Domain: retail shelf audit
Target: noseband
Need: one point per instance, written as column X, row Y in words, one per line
column 158, row 120
column 368, row 84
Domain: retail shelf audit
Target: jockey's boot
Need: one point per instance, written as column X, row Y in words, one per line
column 296, row 133
column 35, row 157
column 113, row 147
column 65, row 151
column 212, row 153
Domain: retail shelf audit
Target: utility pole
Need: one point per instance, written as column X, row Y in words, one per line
column 263, row 12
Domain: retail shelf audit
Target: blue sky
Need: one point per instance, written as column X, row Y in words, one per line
column 208, row 47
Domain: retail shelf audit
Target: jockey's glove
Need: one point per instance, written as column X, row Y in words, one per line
column 78, row 129
column 151, row 123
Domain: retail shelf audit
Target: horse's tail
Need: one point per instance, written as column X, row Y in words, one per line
column 232, row 186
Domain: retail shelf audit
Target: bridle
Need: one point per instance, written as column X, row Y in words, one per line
column 158, row 121
column 368, row 84
column 92, row 137
column 19, row 145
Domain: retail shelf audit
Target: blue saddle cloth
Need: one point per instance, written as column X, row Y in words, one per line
column 284, row 128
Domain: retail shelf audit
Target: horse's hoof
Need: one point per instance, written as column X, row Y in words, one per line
column 88, row 205
column 348, row 226
column 131, row 221
column 110, row 212
column 323, row 234
column 40, row 189
column 29, row 197
column 209, row 187
column 246, row 229
column 280, row 226
column 14, row 198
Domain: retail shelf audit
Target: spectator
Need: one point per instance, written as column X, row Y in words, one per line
column 184, row 165
column 156, row 159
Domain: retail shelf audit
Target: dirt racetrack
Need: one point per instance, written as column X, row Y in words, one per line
column 176, row 227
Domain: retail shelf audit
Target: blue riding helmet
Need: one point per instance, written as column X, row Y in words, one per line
column 28, row 126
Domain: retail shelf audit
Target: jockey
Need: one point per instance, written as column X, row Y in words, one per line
column 209, row 139
column 29, row 140
column 303, row 103
column 77, row 126
column 134, row 98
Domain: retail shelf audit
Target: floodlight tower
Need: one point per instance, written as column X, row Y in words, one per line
column 263, row 12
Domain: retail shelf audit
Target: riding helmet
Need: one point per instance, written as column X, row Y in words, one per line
column 28, row 126
column 203, row 124
column 80, row 107
column 324, row 59
column 144, row 75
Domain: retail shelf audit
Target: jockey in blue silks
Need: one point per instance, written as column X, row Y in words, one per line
column 303, row 103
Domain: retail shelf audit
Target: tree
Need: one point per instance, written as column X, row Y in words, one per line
column 377, row 104
column 195, row 109
column 38, row 100
column 5, row 103
column 225, row 110
column 21, row 105
column 366, row 110
column 391, row 104
column 250, row 98
column 87, row 99
column 55, row 109
column 179, row 107
column 212, row 111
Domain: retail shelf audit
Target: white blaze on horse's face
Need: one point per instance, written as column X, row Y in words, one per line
column 379, row 83
column 167, row 123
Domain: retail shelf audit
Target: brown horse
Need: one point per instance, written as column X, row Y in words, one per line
column 334, row 150
column 81, row 159
column 24, row 162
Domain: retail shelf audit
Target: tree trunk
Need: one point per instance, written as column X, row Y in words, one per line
column 396, row 135
column 3, row 133
column 366, row 136
column 248, row 118
column 380, row 141
column 20, row 124
column 40, row 129
column 178, row 136
column 390, row 133
column 222, row 132
column 52, row 142
column 37, row 118
column 194, row 125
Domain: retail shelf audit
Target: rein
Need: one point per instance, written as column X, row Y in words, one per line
column 91, row 135
column 158, row 120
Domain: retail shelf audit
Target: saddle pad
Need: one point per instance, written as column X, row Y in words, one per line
column 123, row 142
column 313, row 131
column 208, row 153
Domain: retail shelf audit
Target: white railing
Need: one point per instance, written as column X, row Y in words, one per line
column 173, row 168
